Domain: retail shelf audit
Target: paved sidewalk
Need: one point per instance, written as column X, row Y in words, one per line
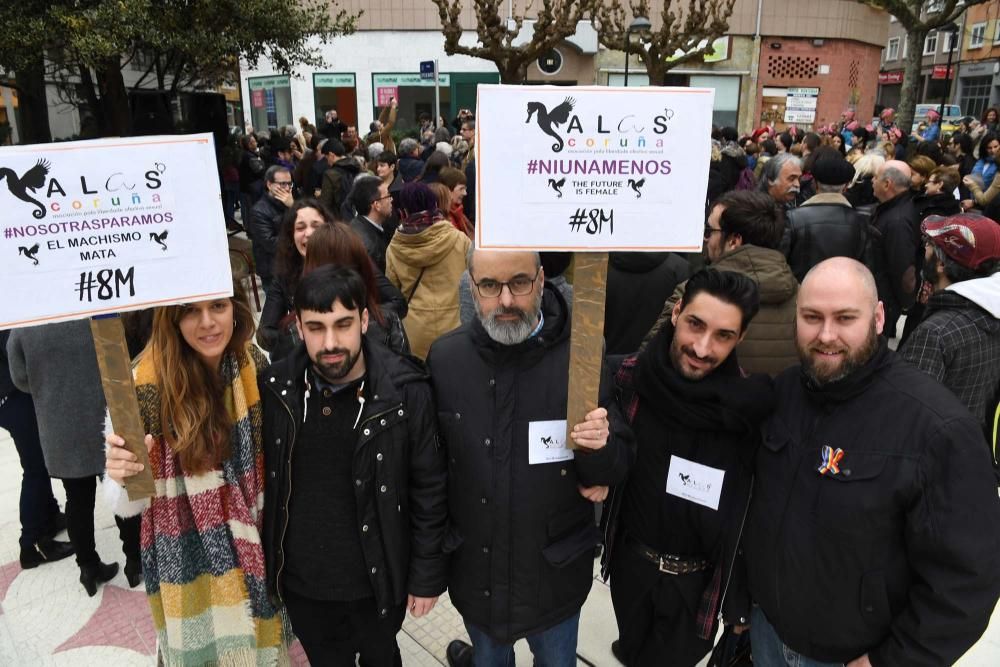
column 46, row 617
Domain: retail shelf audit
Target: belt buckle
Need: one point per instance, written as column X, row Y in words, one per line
column 663, row 566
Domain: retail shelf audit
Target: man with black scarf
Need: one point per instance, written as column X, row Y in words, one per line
column 872, row 537
column 674, row 527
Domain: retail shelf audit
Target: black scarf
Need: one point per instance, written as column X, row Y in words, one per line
column 851, row 385
column 724, row 400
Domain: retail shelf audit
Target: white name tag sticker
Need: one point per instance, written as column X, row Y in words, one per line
column 695, row 482
column 547, row 442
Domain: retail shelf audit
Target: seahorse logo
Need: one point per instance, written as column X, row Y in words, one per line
column 548, row 120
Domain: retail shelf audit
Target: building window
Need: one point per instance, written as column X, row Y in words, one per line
column 270, row 101
column 930, row 43
column 996, row 34
column 934, row 6
column 892, row 50
column 977, row 36
column 951, row 42
column 975, row 95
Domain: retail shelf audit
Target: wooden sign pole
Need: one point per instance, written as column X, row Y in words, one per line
column 119, row 392
column 586, row 351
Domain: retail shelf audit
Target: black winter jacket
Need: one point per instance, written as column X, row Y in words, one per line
column 714, row 422
column 376, row 242
column 398, row 465
column 897, row 266
column 522, row 537
column 943, row 204
column 894, row 554
column 639, row 283
column 816, row 232
column 265, row 223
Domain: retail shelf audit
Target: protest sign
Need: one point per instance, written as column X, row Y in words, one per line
column 592, row 168
column 93, row 228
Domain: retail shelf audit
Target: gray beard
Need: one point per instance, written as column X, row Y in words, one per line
column 510, row 333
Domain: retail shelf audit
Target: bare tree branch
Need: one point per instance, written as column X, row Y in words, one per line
column 554, row 21
column 688, row 31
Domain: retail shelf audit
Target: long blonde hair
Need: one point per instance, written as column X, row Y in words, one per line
column 193, row 413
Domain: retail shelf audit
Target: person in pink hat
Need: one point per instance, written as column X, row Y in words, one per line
column 958, row 341
column 933, row 131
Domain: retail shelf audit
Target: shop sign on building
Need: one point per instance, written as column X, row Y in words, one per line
column 800, row 105
column 890, row 78
column 333, row 80
column 942, row 72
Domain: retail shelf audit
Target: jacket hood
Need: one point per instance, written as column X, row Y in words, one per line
column 428, row 247
column 637, row 262
column 348, row 164
column 768, row 268
column 984, row 292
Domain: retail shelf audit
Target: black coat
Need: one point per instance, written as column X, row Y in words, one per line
column 398, row 465
column 714, row 422
column 898, row 251
column 522, row 537
column 943, row 204
column 376, row 242
column 639, row 283
column 894, row 555
column 816, row 232
column 265, row 223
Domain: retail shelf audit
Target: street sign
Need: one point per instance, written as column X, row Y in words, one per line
column 427, row 69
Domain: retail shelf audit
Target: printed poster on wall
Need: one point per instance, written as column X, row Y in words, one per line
column 592, row 168
column 109, row 225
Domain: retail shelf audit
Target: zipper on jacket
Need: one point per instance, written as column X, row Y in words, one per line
column 288, row 499
column 739, row 538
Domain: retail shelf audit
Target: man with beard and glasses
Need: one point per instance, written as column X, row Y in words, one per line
column 522, row 532
column 872, row 534
column 354, row 503
column 673, row 529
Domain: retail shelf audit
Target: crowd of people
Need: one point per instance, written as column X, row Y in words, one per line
column 775, row 462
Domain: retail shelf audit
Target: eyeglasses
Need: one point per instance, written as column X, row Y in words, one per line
column 711, row 230
column 518, row 286
column 285, row 185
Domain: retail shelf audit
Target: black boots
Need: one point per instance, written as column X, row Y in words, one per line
column 99, row 573
column 133, row 572
column 459, row 654
column 45, row 551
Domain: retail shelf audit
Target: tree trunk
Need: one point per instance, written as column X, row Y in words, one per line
column 96, row 107
column 33, row 119
column 512, row 72
column 114, row 98
column 911, row 81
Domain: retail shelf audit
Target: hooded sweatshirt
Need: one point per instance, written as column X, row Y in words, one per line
column 769, row 345
column 426, row 268
column 958, row 342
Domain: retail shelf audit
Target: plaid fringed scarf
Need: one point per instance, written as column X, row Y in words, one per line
column 201, row 553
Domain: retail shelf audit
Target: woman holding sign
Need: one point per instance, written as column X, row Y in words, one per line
column 201, row 554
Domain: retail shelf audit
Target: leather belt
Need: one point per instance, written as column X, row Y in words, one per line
column 667, row 563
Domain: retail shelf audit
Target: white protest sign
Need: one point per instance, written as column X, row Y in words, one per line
column 103, row 226
column 592, row 168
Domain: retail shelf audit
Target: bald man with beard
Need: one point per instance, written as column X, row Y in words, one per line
column 899, row 253
column 872, row 535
